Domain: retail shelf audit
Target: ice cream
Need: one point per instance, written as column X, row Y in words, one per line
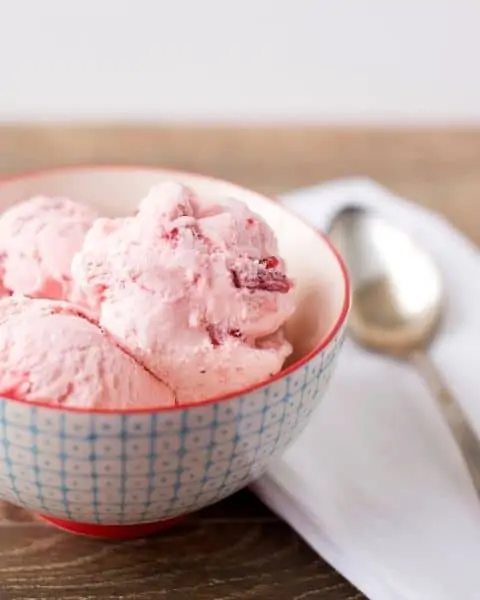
column 194, row 288
column 38, row 239
column 186, row 300
column 53, row 352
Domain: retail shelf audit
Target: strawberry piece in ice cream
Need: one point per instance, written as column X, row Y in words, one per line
column 53, row 352
column 194, row 288
column 38, row 239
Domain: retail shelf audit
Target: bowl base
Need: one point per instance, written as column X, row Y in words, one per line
column 112, row 532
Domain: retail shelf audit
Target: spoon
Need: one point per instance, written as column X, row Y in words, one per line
column 397, row 305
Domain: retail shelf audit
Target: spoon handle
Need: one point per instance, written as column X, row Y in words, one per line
column 453, row 414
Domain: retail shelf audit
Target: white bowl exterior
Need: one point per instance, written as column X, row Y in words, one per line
column 145, row 467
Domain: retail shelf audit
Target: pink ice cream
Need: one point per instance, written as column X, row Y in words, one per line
column 195, row 290
column 38, row 239
column 53, row 352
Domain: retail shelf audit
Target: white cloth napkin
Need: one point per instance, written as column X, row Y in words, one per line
column 375, row 485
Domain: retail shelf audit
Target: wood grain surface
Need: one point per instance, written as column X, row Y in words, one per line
column 236, row 549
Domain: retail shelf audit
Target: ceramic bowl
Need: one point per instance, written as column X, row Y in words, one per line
column 130, row 473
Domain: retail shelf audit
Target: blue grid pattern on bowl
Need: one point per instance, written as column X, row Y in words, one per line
column 135, row 468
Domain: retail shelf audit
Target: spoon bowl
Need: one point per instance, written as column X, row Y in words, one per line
column 398, row 294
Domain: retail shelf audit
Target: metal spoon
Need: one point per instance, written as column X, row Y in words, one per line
column 397, row 304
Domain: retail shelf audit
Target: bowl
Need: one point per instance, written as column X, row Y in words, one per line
column 130, row 473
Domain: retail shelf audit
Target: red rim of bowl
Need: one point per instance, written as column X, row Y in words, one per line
column 222, row 397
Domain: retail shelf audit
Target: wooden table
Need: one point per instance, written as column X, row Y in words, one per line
column 236, row 549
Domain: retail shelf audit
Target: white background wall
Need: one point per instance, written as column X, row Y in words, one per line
column 304, row 60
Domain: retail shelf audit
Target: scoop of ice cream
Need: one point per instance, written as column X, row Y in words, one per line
column 38, row 239
column 195, row 288
column 53, row 352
